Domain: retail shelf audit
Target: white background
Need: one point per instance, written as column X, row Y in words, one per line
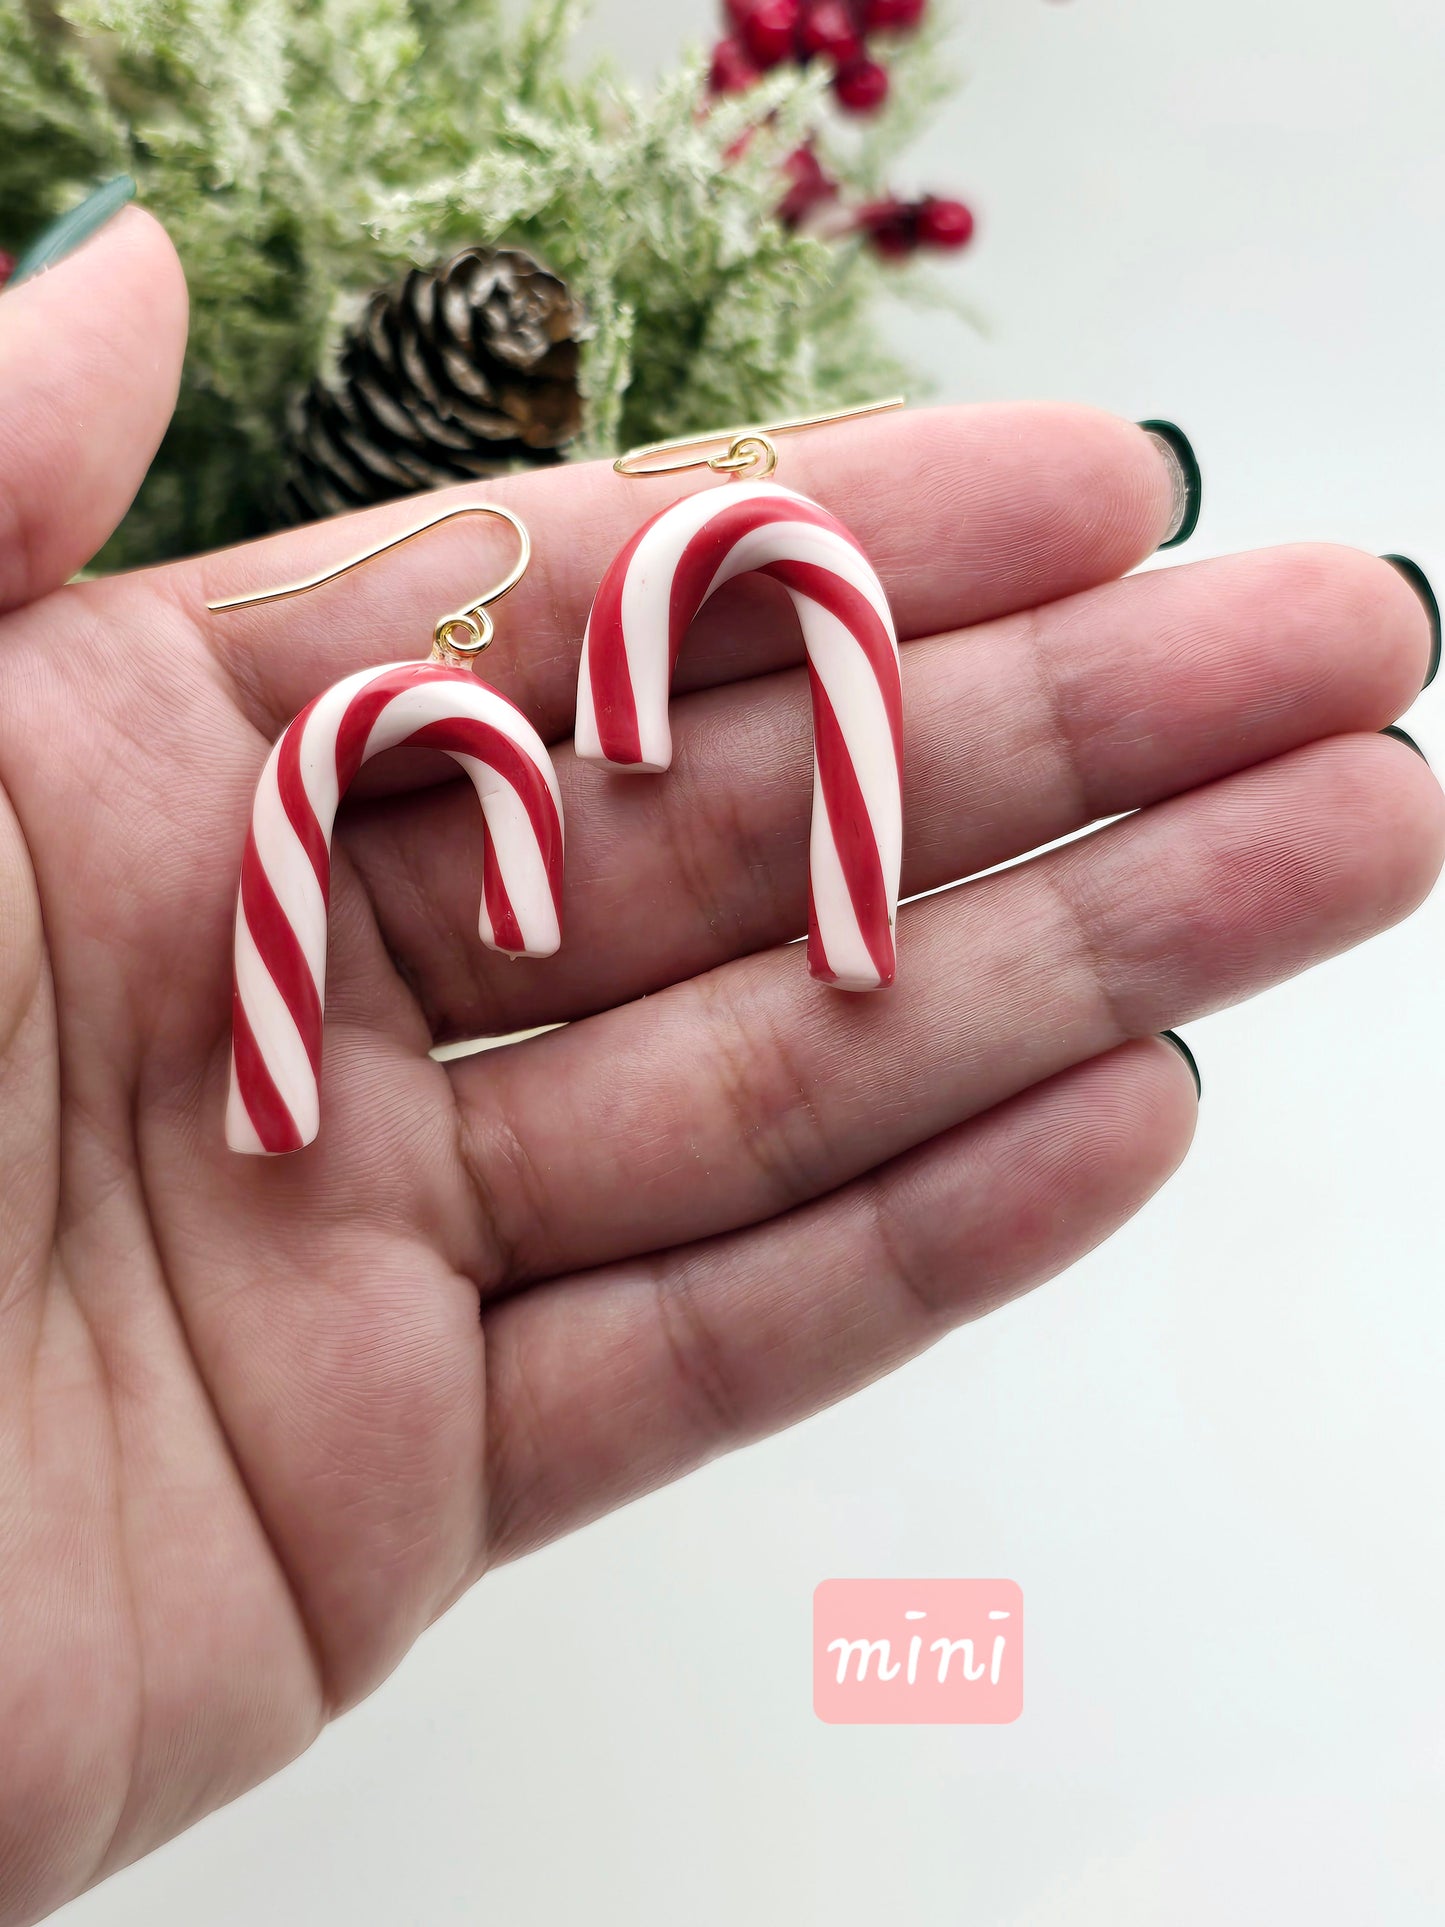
column 1214, row 1455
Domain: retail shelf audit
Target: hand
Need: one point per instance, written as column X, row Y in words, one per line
column 261, row 1421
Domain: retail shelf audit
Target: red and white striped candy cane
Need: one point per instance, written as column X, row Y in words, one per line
column 643, row 609
column 286, row 874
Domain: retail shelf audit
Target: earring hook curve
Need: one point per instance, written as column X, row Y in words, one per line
column 739, row 449
column 472, row 619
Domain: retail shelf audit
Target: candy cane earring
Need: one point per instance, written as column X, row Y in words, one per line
column 286, row 872
column 643, row 609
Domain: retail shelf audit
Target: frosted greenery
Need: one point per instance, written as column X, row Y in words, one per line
column 302, row 152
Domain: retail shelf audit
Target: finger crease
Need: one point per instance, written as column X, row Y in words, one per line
column 1062, row 731
column 482, row 1151
column 1093, row 957
column 768, row 1095
column 697, row 1358
column 877, row 1194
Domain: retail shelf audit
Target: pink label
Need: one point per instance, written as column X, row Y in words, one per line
column 918, row 1652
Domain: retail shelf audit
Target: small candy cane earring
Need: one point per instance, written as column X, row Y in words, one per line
column 643, row 608
column 286, row 872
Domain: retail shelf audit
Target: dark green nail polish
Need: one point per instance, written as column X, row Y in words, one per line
column 1402, row 736
column 1173, row 1037
column 1420, row 583
column 1174, row 445
column 66, row 234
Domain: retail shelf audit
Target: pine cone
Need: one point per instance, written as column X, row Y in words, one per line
column 463, row 370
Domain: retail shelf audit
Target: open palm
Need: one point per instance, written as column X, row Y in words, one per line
column 261, row 1421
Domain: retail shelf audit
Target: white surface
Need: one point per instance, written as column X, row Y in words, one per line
column 1214, row 1455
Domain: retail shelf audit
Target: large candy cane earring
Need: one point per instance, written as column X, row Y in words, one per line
column 286, row 872
column 644, row 606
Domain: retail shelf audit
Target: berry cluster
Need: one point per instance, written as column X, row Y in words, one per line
column 899, row 228
column 765, row 33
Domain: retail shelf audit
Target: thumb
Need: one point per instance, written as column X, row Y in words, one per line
column 90, row 358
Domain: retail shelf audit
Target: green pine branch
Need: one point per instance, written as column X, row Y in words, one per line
column 303, row 152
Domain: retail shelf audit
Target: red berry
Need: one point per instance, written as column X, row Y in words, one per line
column 809, row 186
column 733, row 70
column 7, row 266
column 861, row 86
column 893, row 16
column 828, row 30
column 944, row 224
column 740, row 12
column 771, row 31
column 891, row 227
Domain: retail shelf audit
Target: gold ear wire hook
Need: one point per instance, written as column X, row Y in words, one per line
column 473, row 619
column 741, row 449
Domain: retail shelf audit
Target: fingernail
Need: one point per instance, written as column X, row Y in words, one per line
column 66, row 234
column 1420, row 583
column 1402, row 736
column 1183, row 465
column 1173, row 1037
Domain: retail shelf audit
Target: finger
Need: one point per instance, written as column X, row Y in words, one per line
column 1021, row 732
column 28, row 1090
column 724, row 1101
column 607, row 1385
column 90, row 356
column 965, row 512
